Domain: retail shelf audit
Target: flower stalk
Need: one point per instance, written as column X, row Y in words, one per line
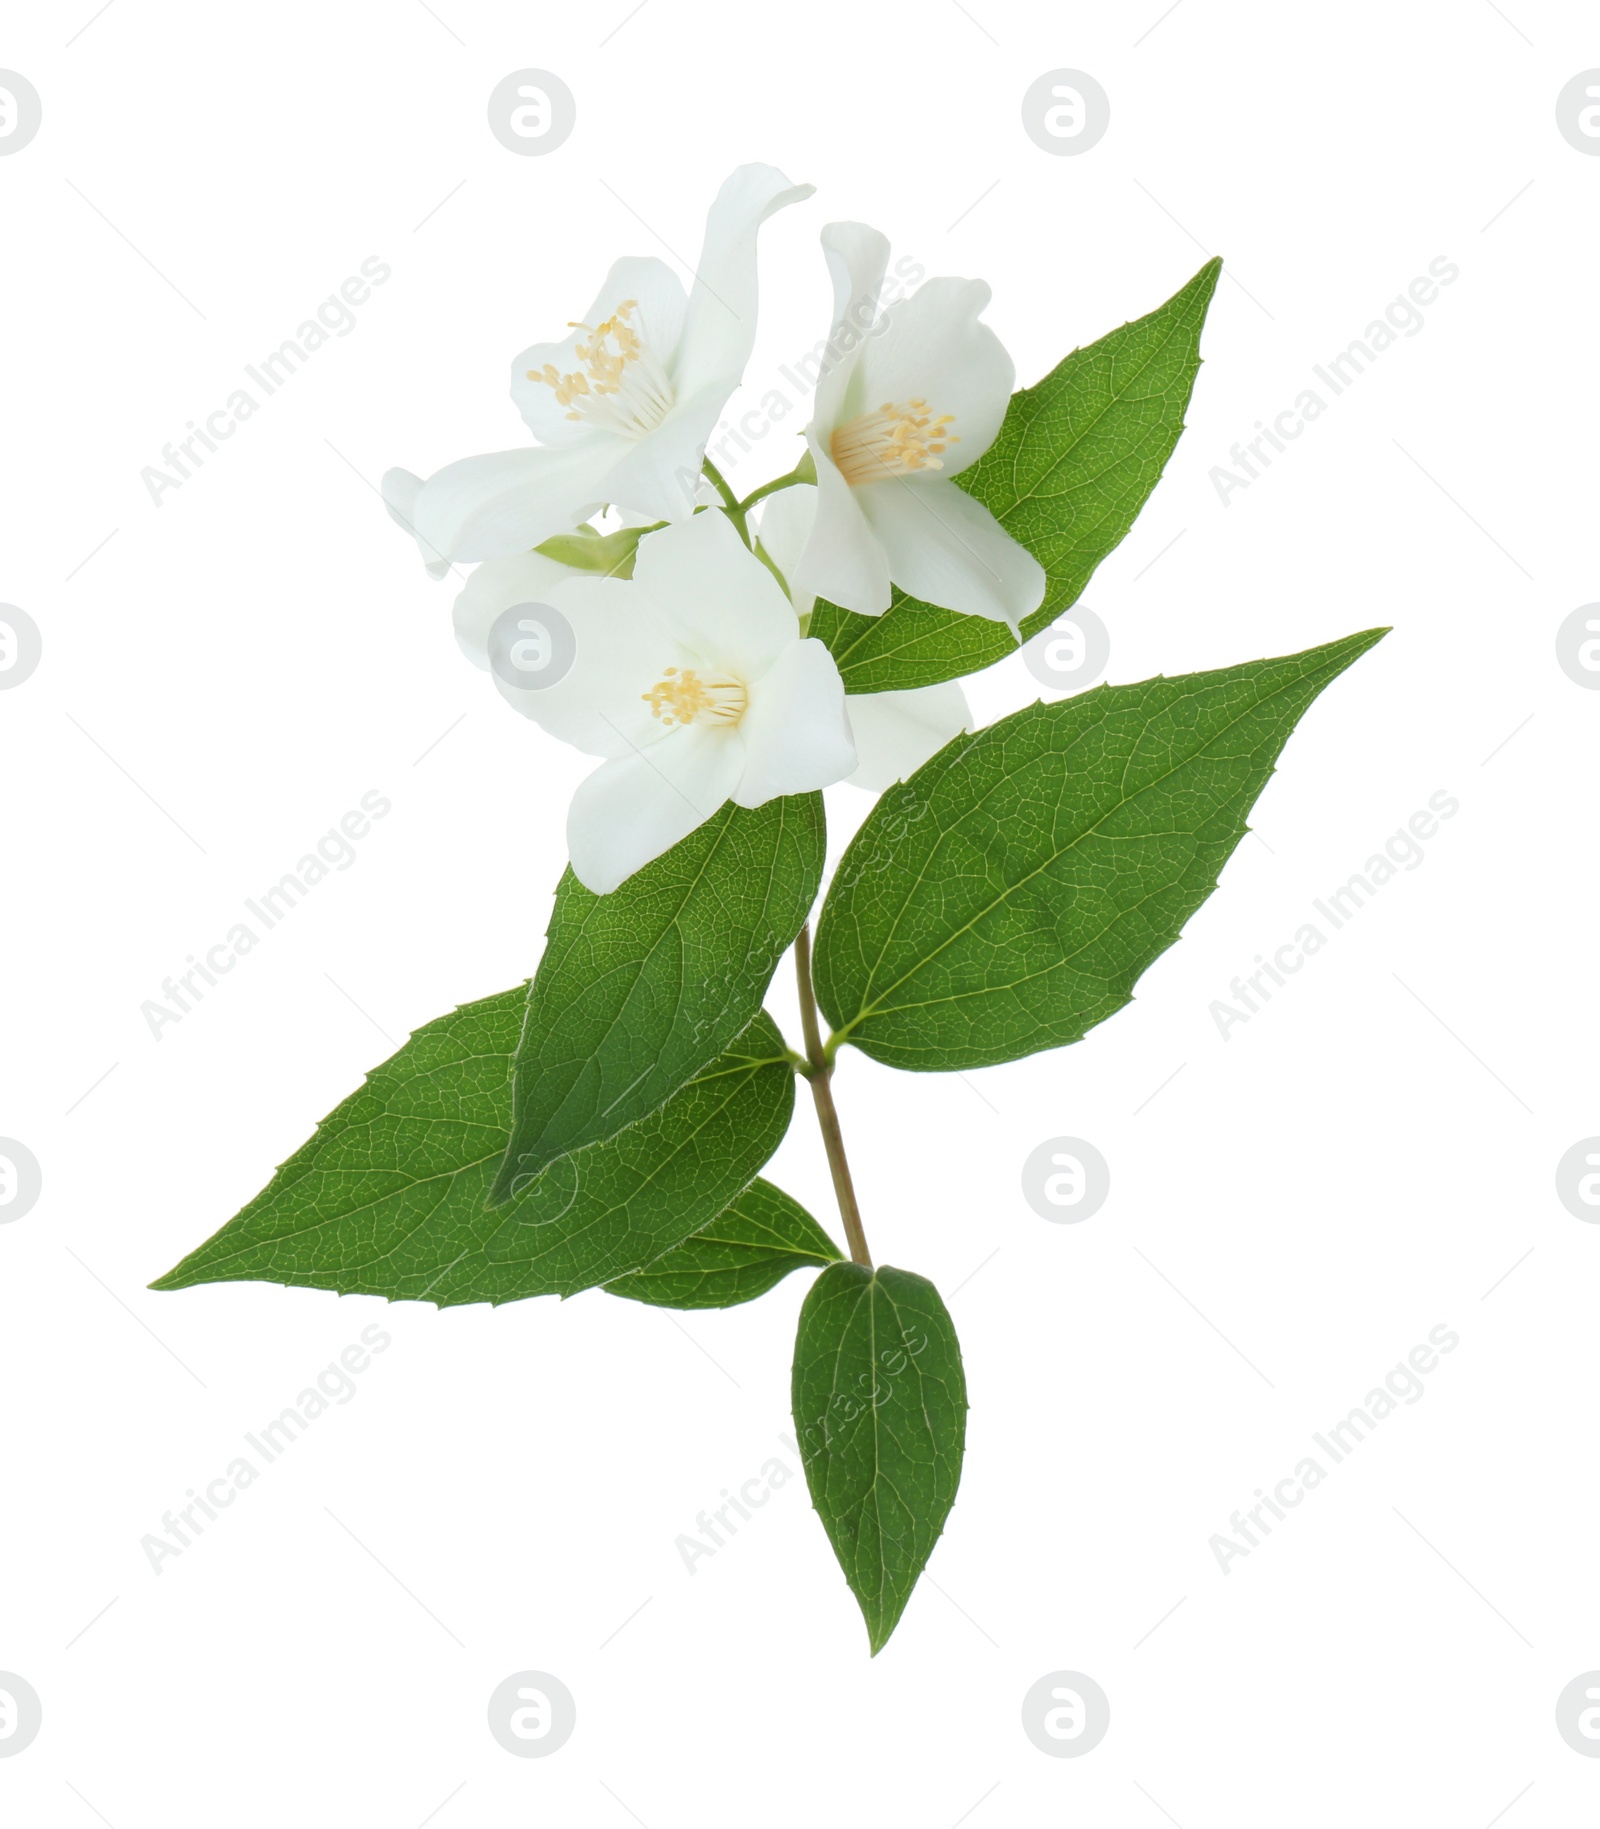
column 733, row 507
column 819, row 1071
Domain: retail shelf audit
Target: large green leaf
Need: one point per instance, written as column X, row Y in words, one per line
column 1074, row 463
column 1008, row 896
column 388, row 1197
column 749, row 1247
column 639, row 989
column 880, row 1411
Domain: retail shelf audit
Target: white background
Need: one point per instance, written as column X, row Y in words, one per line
column 1366, row 1158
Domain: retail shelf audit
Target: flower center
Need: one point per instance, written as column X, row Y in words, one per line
column 685, row 698
column 893, row 441
column 619, row 385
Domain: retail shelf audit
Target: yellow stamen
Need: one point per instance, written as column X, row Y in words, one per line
column 619, row 384
column 892, row 441
column 684, row 698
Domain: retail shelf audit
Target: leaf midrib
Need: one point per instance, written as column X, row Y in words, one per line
column 770, row 885
column 673, row 930
column 446, row 1180
column 876, row 1007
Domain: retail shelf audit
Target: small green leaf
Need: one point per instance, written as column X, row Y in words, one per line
column 748, row 1248
column 880, row 1411
column 1009, row 895
column 388, row 1197
column 639, row 989
column 1076, row 459
column 585, row 550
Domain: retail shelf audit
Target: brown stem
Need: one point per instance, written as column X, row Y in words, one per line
column 821, row 1071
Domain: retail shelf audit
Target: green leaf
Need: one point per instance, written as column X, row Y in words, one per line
column 1008, row 896
column 1075, row 461
column 880, row 1410
column 639, row 989
column 748, row 1248
column 388, row 1197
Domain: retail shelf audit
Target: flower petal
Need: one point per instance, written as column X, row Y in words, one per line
column 896, row 732
column 658, row 296
column 638, row 805
column 616, row 652
column 843, row 560
column 508, row 501
column 796, row 734
column 705, row 497
column 659, row 475
column 858, row 258
column 947, row 549
column 719, row 328
column 495, row 586
column 400, row 491
column 786, row 522
column 933, row 348
column 714, row 596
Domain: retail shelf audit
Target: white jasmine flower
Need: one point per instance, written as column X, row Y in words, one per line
column 623, row 406
column 894, row 732
column 693, row 681
column 912, row 399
